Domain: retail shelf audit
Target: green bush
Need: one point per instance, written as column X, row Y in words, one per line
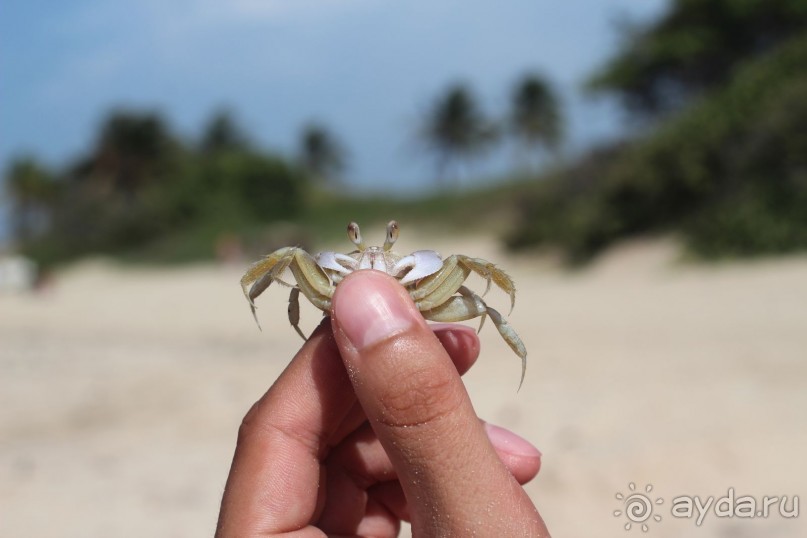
column 730, row 174
column 141, row 186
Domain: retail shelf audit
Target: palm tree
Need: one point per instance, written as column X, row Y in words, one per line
column 535, row 115
column 223, row 133
column 456, row 130
column 321, row 153
column 32, row 189
column 132, row 151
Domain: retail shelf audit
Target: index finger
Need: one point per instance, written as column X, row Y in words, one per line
column 281, row 442
column 283, row 438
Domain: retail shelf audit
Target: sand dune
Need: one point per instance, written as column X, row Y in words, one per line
column 121, row 391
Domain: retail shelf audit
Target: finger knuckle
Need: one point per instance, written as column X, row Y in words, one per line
column 249, row 424
column 421, row 396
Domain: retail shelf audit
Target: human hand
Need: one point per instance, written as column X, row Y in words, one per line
column 370, row 425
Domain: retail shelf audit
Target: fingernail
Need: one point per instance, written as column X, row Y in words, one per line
column 369, row 308
column 509, row 442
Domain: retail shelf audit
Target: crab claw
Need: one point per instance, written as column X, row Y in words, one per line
column 335, row 261
column 420, row 263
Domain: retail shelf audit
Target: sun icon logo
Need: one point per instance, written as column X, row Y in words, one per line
column 638, row 507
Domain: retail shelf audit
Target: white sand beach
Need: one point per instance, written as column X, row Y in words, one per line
column 121, row 390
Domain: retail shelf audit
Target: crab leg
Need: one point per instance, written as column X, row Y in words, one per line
column 460, row 308
column 261, row 274
column 437, row 288
column 480, row 305
column 310, row 277
column 489, row 272
column 511, row 337
column 312, row 280
column 294, row 311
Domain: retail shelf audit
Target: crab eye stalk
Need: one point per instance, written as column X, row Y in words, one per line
column 392, row 234
column 355, row 235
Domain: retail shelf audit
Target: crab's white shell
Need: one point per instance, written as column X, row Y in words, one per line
column 407, row 269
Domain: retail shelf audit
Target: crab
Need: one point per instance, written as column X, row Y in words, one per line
column 436, row 285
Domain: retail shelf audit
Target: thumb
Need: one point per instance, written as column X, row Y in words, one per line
column 415, row 401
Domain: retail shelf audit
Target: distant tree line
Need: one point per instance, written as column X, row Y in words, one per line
column 721, row 89
column 140, row 181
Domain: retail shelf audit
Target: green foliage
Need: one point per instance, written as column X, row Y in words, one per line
column 695, row 46
column 33, row 190
column 242, row 185
column 140, row 185
column 730, row 173
column 223, row 133
column 535, row 117
column 566, row 210
column 320, row 153
column 749, row 223
column 485, row 210
column 455, row 129
column 133, row 151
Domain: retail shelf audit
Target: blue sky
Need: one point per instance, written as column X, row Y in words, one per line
column 366, row 68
